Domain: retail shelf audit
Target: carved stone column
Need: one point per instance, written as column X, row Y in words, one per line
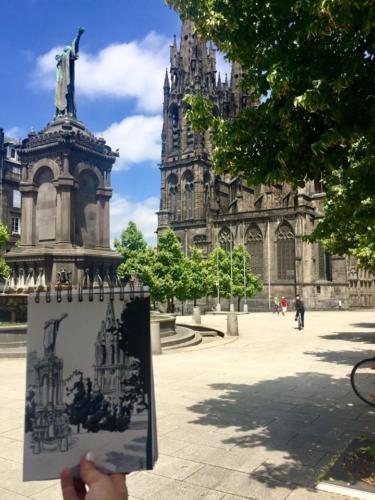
column 28, row 233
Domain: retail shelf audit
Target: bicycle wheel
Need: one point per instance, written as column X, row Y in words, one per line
column 362, row 379
column 299, row 322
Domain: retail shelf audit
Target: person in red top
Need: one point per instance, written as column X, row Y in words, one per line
column 284, row 305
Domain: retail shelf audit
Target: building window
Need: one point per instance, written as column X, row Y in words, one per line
column 16, row 198
column 16, row 225
column 325, row 264
column 285, row 252
column 258, row 203
column 254, row 245
column 225, row 239
column 174, row 113
column 188, row 179
column 286, row 201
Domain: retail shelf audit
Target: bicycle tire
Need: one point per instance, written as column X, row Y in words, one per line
column 355, row 382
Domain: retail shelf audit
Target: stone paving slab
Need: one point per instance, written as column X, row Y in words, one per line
column 257, row 418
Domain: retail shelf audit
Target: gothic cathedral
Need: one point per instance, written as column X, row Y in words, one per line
column 205, row 209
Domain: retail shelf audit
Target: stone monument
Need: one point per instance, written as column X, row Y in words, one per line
column 65, row 188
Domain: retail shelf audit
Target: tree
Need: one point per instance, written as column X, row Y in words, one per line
column 132, row 246
column 309, row 67
column 4, row 237
column 199, row 277
column 167, row 271
column 219, row 268
column 243, row 279
column 78, row 410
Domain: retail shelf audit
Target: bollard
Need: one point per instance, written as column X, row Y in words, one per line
column 232, row 325
column 155, row 337
column 218, row 307
column 245, row 308
column 197, row 315
column 231, row 308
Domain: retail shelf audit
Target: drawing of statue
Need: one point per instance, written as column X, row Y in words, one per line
column 51, row 329
column 64, row 96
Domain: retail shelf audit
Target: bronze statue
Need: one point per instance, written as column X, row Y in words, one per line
column 64, row 96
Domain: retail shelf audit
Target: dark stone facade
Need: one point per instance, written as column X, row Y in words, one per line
column 205, row 209
column 66, row 188
column 10, row 196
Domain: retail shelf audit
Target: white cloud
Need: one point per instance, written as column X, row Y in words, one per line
column 15, row 133
column 138, row 138
column 143, row 213
column 123, row 70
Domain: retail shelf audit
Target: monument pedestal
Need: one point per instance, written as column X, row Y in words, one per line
column 65, row 188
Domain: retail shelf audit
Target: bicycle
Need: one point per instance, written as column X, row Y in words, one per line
column 362, row 379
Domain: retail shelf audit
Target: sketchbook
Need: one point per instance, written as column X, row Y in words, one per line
column 89, row 382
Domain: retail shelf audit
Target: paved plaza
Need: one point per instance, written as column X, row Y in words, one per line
column 259, row 417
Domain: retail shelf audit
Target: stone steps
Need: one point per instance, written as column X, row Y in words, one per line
column 195, row 340
column 13, row 352
column 182, row 336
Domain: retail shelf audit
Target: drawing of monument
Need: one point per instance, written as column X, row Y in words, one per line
column 51, row 429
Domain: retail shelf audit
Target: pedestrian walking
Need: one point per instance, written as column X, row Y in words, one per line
column 300, row 311
column 276, row 305
column 284, row 305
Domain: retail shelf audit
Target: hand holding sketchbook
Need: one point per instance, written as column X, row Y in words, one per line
column 89, row 383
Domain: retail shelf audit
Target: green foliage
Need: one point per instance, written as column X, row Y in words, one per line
column 4, row 269
column 314, row 61
column 199, row 278
column 240, row 278
column 168, row 275
column 219, row 265
column 349, row 222
column 219, row 268
column 132, row 246
column 4, row 235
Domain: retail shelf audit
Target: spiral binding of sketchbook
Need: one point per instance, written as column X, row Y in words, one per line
column 89, row 379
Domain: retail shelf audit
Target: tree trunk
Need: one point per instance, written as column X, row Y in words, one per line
column 239, row 303
column 195, row 301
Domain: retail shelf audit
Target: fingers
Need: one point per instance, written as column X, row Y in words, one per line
column 88, row 471
column 67, row 485
column 119, row 481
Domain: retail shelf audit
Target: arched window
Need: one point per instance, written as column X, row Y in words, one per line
column 188, row 195
column 325, row 264
column 104, row 355
column 86, row 210
column 175, row 122
column 173, row 196
column 225, row 239
column 285, row 252
column 46, row 206
column 254, row 245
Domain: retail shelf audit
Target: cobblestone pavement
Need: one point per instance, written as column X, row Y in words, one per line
column 256, row 418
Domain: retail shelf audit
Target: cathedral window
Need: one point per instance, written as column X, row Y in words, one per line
column 286, row 201
column 226, row 239
column 254, row 245
column 285, row 252
column 173, row 196
column 175, row 121
column 258, row 203
column 188, row 195
column 104, row 355
column 325, row 264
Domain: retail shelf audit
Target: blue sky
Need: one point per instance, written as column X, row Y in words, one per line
column 124, row 53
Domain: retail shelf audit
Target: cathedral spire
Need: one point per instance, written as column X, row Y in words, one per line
column 166, row 83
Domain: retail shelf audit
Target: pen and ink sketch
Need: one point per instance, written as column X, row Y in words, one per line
column 89, row 379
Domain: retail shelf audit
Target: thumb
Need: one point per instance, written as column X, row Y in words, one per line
column 88, row 471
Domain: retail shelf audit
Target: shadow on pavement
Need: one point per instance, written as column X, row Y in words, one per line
column 364, row 325
column 365, row 337
column 349, row 358
column 297, row 422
